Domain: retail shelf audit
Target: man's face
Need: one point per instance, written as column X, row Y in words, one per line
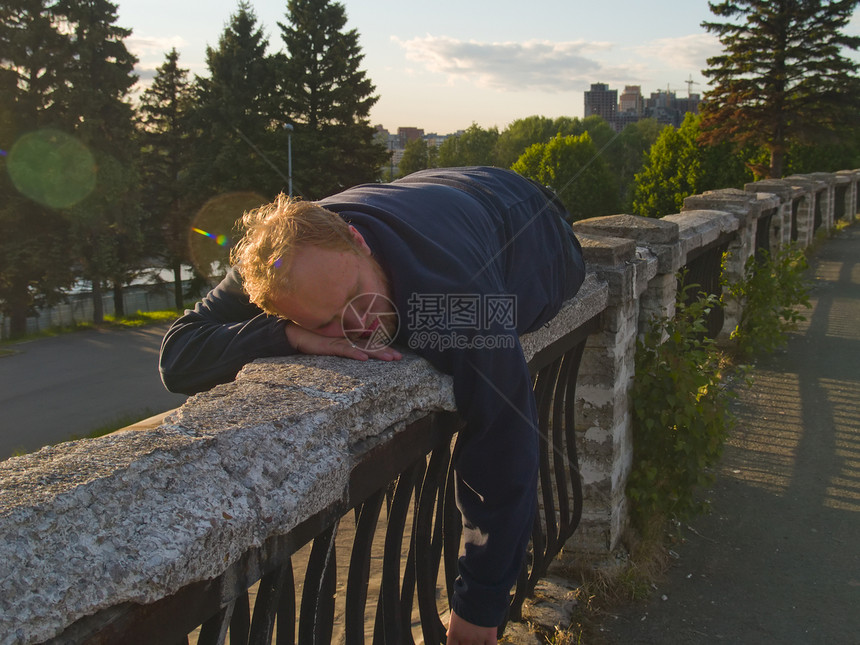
column 337, row 294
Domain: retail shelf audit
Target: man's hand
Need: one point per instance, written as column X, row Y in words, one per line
column 308, row 342
column 462, row 632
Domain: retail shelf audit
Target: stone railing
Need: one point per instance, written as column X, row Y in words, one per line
column 341, row 470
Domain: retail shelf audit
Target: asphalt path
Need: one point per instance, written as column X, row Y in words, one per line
column 55, row 389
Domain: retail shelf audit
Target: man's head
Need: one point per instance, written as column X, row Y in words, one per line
column 303, row 262
column 272, row 236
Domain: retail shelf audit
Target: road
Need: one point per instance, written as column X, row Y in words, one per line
column 54, row 389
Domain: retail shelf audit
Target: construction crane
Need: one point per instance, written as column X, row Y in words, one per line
column 690, row 82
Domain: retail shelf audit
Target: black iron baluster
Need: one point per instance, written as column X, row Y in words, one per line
column 393, row 628
column 214, row 630
column 266, row 605
column 315, row 605
column 428, row 539
column 359, row 568
column 240, row 623
column 287, row 608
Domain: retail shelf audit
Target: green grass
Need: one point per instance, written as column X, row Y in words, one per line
column 118, row 423
column 139, row 319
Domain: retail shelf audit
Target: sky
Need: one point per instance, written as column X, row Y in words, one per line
column 441, row 65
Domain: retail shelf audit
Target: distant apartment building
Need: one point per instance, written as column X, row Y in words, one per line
column 405, row 135
column 664, row 106
column 396, row 143
column 601, row 101
column 631, row 100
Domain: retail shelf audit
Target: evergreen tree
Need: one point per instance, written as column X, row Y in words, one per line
column 783, row 76
column 328, row 99
column 106, row 225
column 34, row 177
column 166, row 137
column 570, row 166
column 236, row 116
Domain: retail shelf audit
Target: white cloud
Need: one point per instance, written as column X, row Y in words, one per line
column 511, row 66
column 148, row 48
column 685, row 52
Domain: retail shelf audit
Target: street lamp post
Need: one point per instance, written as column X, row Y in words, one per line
column 289, row 128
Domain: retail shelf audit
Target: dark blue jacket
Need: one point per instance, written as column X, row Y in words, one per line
column 466, row 243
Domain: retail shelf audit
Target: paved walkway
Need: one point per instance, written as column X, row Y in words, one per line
column 56, row 388
column 778, row 560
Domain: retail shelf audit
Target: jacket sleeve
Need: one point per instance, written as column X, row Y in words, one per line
column 496, row 462
column 211, row 343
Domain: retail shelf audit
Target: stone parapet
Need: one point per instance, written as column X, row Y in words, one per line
column 137, row 515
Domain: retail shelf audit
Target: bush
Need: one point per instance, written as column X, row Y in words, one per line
column 770, row 292
column 681, row 414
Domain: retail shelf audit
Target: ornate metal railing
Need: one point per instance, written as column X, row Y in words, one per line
column 704, row 268
column 763, row 233
column 400, row 497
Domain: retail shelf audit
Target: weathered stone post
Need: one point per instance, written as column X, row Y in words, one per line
column 827, row 196
column 603, row 390
column 796, row 209
column 760, row 225
column 819, row 206
column 848, row 181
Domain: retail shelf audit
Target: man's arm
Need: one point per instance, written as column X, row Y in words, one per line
column 211, row 343
column 496, row 465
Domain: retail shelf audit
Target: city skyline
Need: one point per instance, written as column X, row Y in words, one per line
column 443, row 66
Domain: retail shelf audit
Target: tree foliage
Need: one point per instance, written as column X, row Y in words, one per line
column 570, row 166
column 107, row 225
column 327, row 97
column 417, row 155
column 474, row 147
column 167, row 144
column 35, row 263
column 679, row 165
column 783, row 76
column 522, row 133
column 236, row 113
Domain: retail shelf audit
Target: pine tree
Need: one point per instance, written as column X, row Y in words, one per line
column 34, row 251
column 783, row 76
column 328, row 98
column 166, row 137
column 107, row 224
column 236, row 116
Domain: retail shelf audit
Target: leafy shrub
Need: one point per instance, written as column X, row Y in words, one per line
column 681, row 414
column 770, row 292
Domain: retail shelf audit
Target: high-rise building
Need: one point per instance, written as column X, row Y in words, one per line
column 407, row 134
column 631, row 101
column 602, row 101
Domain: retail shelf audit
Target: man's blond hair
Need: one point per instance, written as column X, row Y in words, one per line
column 273, row 233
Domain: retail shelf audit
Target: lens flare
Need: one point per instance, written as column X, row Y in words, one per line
column 220, row 240
column 52, row 168
column 216, row 222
